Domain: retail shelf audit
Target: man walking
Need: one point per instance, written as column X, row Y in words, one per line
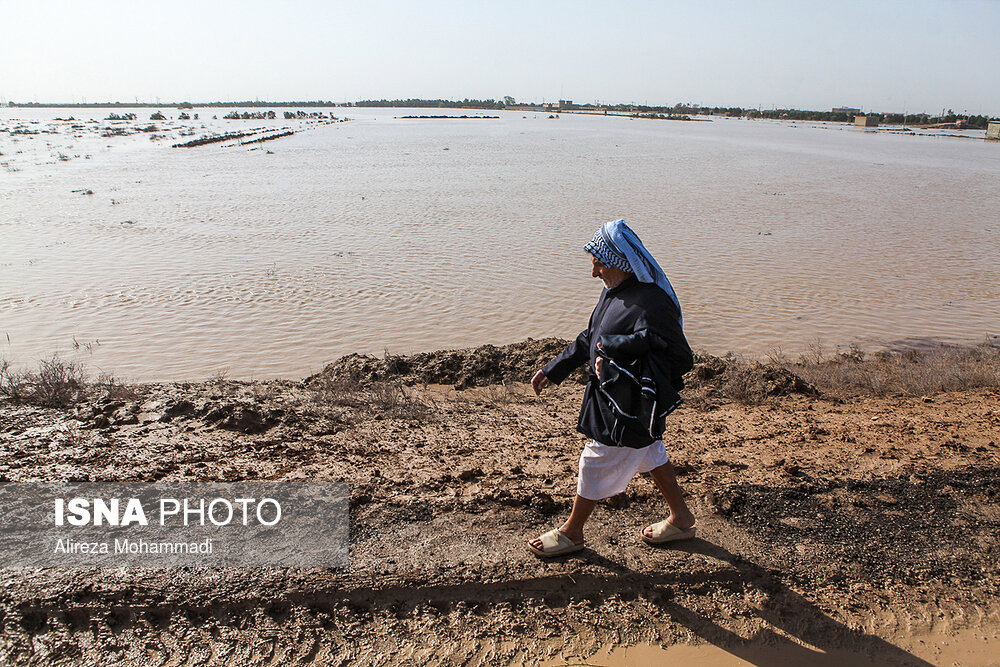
column 637, row 354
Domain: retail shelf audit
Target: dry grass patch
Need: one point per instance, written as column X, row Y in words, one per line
column 111, row 388
column 843, row 375
column 334, row 390
column 908, row 373
column 741, row 379
column 60, row 383
column 497, row 395
column 385, row 398
column 57, row 383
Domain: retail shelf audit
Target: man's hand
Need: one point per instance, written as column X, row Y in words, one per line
column 597, row 362
column 539, row 382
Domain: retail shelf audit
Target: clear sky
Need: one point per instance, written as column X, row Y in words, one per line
column 921, row 55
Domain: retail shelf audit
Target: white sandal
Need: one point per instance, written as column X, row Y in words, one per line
column 555, row 543
column 664, row 531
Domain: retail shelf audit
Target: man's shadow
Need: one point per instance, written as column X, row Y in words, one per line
column 782, row 609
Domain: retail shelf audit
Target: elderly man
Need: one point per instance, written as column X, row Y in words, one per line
column 637, row 352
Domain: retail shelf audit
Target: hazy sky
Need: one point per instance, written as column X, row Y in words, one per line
column 921, row 55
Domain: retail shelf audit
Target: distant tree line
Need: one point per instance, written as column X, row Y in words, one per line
column 924, row 119
column 678, row 109
column 887, row 119
column 799, row 114
column 178, row 105
column 436, row 104
column 258, row 103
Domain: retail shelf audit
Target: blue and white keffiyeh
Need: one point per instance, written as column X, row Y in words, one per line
column 615, row 244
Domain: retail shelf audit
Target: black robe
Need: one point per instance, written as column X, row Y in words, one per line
column 646, row 355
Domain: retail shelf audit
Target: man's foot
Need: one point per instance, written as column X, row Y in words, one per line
column 682, row 520
column 665, row 531
column 554, row 543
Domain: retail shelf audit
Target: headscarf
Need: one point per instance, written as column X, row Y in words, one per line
column 615, row 244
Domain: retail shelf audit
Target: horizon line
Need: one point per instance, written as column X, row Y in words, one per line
column 500, row 103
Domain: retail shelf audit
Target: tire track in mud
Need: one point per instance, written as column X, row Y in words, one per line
column 252, row 646
column 295, row 623
column 321, row 626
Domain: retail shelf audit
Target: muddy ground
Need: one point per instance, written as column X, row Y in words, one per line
column 823, row 523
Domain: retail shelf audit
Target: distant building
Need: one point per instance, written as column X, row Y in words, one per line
column 993, row 130
column 850, row 111
column 866, row 121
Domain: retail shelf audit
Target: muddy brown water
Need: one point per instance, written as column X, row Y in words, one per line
column 269, row 260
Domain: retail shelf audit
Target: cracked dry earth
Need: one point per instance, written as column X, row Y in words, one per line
column 823, row 526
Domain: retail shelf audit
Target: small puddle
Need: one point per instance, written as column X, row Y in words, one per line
column 968, row 648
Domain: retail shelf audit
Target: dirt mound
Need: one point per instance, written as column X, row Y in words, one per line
column 470, row 367
column 243, row 417
column 731, row 377
column 745, row 380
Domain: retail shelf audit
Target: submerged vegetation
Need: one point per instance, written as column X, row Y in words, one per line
column 269, row 137
column 248, row 115
column 211, row 140
column 661, row 116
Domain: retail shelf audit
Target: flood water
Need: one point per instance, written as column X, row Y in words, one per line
column 384, row 233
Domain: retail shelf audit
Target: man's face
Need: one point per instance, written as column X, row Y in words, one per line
column 609, row 275
column 600, row 271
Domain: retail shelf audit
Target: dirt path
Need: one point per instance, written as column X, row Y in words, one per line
column 823, row 526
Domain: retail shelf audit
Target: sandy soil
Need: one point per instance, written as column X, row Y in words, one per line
column 847, row 527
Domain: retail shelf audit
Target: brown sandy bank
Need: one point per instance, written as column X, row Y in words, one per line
column 849, row 522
